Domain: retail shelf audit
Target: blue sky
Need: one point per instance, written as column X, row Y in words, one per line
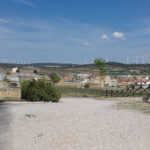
column 74, row 30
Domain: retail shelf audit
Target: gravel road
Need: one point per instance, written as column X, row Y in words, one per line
column 72, row 124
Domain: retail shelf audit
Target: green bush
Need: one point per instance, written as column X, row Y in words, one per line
column 54, row 77
column 6, row 80
column 39, row 91
column 87, row 86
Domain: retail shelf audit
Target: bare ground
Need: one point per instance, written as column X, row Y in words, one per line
column 73, row 124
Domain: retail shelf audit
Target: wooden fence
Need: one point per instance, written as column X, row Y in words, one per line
column 130, row 91
column 134, row 90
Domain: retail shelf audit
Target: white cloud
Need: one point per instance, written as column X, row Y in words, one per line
column 39, row 38
column 105, row 37
column 26, row 2
column 119, row 35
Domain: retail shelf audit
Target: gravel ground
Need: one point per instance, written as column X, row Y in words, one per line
column 72, row 124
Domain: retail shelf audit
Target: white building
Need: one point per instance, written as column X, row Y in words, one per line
column 83, row 75
column 14, row 70
column 13, row 78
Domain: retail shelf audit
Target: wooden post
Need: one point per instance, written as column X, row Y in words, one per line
column 106, row 93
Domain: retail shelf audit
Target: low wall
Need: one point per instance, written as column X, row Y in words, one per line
column 10, row 94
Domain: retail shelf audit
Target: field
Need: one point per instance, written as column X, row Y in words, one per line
column 112, row 69
column 73, row 124
column 78, row 91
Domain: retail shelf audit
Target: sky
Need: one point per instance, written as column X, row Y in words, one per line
column 75, row 31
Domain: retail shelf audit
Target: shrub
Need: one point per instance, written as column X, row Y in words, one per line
column 54, row 77
column 39, row 91
column 6, row 80
column 35, row 71
column 18, row 71
column 87, row 86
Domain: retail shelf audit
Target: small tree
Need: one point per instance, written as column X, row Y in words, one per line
column 55, row 78
column 18, row 71
column 100, row 64
column 35, row 71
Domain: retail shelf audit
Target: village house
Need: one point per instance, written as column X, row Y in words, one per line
column 109, row 81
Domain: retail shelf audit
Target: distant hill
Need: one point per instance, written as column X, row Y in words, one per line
column 112, row 67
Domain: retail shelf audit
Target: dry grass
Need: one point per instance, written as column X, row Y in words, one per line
column 135, row 105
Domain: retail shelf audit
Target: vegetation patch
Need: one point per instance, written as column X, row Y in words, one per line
column 135, row 105
column 30, row 116
column 70, row 91
column 39, row 91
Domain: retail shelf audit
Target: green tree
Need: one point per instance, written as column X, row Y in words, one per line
column 24, row 88
column 100, row 64
column 39, row 91
column 54, row 77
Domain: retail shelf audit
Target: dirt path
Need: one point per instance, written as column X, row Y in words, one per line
column 77, row 124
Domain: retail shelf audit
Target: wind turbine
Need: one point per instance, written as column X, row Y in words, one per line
column 143, row 59
column 136, row 59
column 128, row 59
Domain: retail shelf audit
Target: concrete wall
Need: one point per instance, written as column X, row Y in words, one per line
column 10, row 94
column 3, row 84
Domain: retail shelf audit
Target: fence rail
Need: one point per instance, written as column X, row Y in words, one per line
column 133, row 91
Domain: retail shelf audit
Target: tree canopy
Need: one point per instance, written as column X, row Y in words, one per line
column 100, row 64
